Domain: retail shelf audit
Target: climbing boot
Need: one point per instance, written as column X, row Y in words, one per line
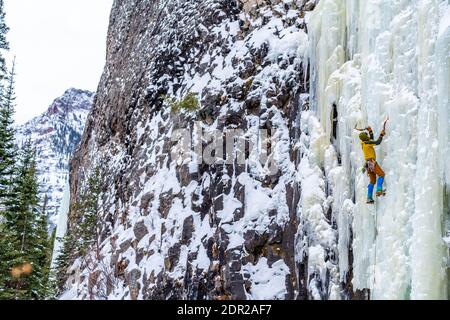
column 381, row 193
column 370, row 201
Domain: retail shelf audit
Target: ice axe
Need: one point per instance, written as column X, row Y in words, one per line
column 360, row 130
column 384, row 124
column 365, row 129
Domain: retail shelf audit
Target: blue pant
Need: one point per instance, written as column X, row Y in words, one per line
column 372, row 187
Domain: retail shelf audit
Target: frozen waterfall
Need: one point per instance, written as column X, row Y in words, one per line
column 61, row 228
column 371, row 60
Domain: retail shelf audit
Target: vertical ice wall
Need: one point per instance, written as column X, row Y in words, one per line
column 61, row 228
column 376, row 59
column 443, row 76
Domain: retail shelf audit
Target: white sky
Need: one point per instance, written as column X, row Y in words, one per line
column 58, row 44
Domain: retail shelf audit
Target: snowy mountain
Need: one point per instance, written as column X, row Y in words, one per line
column 56, row 133
column 284, row 217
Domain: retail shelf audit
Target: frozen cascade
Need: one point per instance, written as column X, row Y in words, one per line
column 61, row 228
column 376, row 59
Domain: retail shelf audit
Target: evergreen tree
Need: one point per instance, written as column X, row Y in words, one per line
column 64, row 260
column 9, row 241
column 87, row 209
column 42, row 254
column 20, row 215
column 8, row 257
column 4, row 45
column 51, row 292
column 6, row 112
column 84, row 236
column 7, row 145
column 26, row 224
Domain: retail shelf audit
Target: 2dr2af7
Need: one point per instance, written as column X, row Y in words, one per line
column 246, row 309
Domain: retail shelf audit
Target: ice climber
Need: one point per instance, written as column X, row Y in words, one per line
column 372, row 167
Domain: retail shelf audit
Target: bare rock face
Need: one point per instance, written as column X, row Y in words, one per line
column 194, row 230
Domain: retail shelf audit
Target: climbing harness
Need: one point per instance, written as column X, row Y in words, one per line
column 371, row 164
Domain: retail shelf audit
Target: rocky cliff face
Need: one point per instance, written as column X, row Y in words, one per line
column 173, row 229
column 279, row 211
column 55, row 135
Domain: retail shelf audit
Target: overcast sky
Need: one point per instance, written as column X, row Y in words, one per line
column 58, row 44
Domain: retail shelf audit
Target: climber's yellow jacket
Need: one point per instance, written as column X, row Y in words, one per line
column 369, row 151
column 367, row 144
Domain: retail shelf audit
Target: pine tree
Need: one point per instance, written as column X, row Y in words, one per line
column 64, row 260
column 26, row 224
column 20, row 215
column 8, row 241
column 87, row 208
column 6, row 112
column 5, row 243
column 42, row 254
column 84, row 236
column 7, row 146
column 8, row 258
column 4, row 45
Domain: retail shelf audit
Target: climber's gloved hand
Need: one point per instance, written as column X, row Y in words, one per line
column 383, row 133
column 369, row 129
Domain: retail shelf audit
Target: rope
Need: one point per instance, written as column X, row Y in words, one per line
column 376, row 242
column 376, row 230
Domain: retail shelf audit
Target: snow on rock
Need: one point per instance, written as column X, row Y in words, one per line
column 268, row 282
column 55, row 134
column 309, row 72
column 174, row 229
